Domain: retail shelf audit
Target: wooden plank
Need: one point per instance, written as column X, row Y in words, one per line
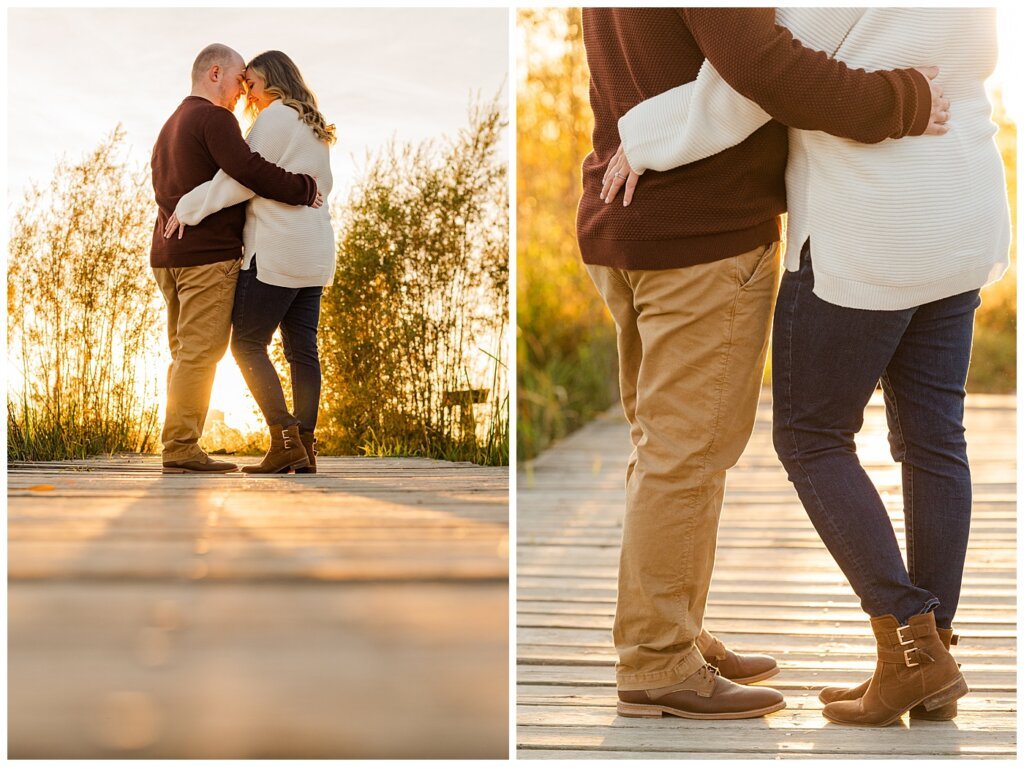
column 734, row 625
column 981, row 679
column 921, row 740
column 596, row 754
column 787, row 719
column 567, row 695
column 805, row 613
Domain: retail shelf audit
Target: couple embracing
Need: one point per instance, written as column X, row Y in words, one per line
column 873, row 129
column 242, row 246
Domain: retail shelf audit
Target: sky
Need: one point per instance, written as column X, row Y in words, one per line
column 407, row 74
column 378, row 74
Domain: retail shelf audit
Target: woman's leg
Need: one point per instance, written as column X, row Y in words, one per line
column 258, row 310
column 924, row 396
column 826, row 362
column 298, row 331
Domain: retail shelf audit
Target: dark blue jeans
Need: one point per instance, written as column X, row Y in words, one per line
column 259, row 310
column 826, row 363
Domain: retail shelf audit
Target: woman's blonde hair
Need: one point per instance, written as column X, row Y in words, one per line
column 283, row 80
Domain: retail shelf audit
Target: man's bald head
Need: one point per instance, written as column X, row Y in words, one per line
column 217, row 75
column 211, row 55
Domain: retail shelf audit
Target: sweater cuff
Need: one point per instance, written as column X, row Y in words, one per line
column 923, row 110
column 313, row 189
column 631, row 130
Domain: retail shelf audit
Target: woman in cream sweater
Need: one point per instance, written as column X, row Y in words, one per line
column 889, row 245
column 289, row 256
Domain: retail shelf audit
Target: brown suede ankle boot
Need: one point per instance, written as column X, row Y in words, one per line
column 914, row 668
column 742, row 669
column 705, row 694
column 308, row 442
column 286, row 452
column 940, row 714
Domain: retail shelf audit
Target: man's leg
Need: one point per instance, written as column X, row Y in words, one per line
column 203, row 297
column 168, row 288
column 694, row 341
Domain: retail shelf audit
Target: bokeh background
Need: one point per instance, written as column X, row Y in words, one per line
column 565, row 338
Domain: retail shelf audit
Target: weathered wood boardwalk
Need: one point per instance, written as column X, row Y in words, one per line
column 775, row 589
column 358, row 612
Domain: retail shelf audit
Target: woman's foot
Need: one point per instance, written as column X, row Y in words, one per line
column 914, row 669
column 940, row 714
column 308, row 442
column 286, row 452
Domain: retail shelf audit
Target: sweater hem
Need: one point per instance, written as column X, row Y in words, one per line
column 859, row 295
column 678, row 252
column 179, row 260
column 270, row 277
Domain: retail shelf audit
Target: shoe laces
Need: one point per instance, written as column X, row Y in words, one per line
column 711, row 670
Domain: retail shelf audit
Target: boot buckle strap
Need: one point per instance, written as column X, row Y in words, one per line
column 906, row 657
column 900, row 638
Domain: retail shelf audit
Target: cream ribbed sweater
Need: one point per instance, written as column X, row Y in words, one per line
column 294, row 245
column 892, row 225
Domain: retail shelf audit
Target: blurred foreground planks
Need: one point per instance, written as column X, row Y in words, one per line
column 775, row 589
column 358, row 612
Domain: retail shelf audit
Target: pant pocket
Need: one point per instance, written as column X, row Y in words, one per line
column 750, row 266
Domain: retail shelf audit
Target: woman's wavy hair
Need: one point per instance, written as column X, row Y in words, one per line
column 284, row 81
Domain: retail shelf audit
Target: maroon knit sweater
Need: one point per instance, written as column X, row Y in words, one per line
column 728, row 203
column 199, row 139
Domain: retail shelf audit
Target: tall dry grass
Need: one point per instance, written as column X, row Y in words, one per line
column 413, row 328
column 83, row 313
column 565, row 339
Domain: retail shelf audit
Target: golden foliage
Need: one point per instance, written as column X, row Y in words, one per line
column 81, row 305
column 565, row 339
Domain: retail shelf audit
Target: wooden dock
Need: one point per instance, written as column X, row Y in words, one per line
column 358, row 612
column 775, row 589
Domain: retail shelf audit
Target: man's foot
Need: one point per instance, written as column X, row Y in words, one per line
column 742, row 669
column 705, row 694
column 201, row 464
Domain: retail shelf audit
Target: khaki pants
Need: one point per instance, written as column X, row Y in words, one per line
column 692, row 344
column 199, row 300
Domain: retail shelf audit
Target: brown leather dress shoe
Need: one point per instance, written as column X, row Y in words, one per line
column 705, row 694
column 742, row 669
column 201, row 464
column 914, row 668
column 941, row 714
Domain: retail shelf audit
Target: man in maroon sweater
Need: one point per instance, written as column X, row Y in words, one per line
column 197, row 273
column 689, row 271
